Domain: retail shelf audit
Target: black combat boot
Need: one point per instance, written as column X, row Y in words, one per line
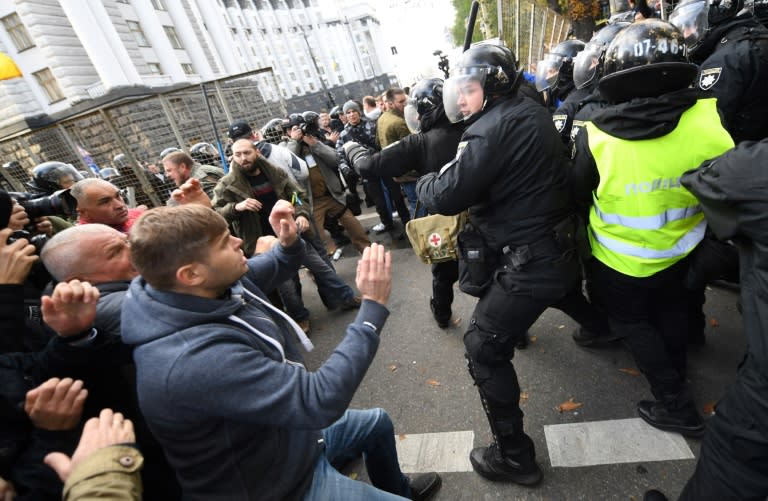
column 441, row 314
column 673, row 413
column 517, row 465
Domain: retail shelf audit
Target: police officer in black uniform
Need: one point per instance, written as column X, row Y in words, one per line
column 731, row 47
column 517, row 252
column 554, row 73
column 432, row 145
column 734, row 454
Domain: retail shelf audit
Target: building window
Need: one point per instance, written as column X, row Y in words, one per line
column 306, row 74
column 138, row 33
column 172, row 37
column 234, row 31
column 188, row 69
column 158, row 5
column 311, row 86
column 18, row 32
column 156, row 69
column 49, row 84
column 292, row 76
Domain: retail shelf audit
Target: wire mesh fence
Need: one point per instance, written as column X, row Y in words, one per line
column 530, row 29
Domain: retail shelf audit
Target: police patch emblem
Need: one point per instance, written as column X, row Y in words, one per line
column 559, row 121
column 709, row 78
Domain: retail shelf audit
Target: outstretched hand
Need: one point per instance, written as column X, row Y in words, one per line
column 107, row 429
column 191, row 192
column 72, row 307
column 283, row 224
column 56, row 405
column 374, row 274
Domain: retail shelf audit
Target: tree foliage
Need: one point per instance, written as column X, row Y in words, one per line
column 459, row 29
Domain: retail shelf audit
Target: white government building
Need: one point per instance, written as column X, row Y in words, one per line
column 70, row 51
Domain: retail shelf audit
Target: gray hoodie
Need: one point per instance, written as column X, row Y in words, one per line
column 223, row 388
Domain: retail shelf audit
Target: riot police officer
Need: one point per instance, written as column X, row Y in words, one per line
column 554, row 73
column 517, row 251
column 731, row 47
column 432, row 145
column 642, row 223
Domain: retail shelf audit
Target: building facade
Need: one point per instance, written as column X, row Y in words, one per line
column 73, row 51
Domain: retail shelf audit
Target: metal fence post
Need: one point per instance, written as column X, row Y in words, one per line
column 530, row 33
column 145, row 184
column 169, row 116
column 517, row 28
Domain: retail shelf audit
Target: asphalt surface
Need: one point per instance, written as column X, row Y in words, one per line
column 419, row 376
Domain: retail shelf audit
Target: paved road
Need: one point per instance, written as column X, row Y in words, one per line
column 419, row 376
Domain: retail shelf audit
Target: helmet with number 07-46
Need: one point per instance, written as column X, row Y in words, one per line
column 646, row 59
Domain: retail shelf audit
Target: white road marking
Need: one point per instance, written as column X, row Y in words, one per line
column 610, row 442
column 441, row 452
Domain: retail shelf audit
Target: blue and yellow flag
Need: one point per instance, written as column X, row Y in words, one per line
column 8, row 68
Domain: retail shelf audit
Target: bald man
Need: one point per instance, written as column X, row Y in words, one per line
column 99, row 201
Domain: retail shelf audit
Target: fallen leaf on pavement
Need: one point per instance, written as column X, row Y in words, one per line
column 523, row 396
column 433, row 382
column 569, row 406
column 402, row 436
column 392, row 367
column 533, row 339
column 709, row 408
column 713, row 322
column 456, row 322
column 631, row 371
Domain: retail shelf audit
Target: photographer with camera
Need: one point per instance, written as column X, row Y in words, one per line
column 326, row 193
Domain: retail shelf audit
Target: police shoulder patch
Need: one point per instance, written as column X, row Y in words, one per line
column 559, row 121
column 709, row 77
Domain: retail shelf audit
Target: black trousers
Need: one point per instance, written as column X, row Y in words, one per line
column 376, row 191
column 734, row 455
column 652, row 314
column 512, row 303
column 444, row 275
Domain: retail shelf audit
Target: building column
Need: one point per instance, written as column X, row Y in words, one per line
column 156, row 36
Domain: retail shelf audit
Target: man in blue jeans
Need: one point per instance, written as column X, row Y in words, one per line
column 221, row 382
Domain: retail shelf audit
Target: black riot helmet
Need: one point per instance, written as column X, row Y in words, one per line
column 53, row 176
column 647, row 59
column 492, row 66
column 760, row 10
column 588, row 64
column 273, row 131
column 696, row 18
column 555, row 71
column 335, row 112
column 203, row 153
column 425, row 97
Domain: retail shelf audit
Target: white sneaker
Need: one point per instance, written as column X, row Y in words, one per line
column 379, row 228
column 337, row 254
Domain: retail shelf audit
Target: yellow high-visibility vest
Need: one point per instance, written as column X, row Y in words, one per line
column 642, row 219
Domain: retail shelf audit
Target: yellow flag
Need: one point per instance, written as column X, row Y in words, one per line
column 8, row 68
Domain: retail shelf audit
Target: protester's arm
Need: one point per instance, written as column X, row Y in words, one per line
column 281, row 261
column 192, row 192
column 56, row 405
column 104, row 466
column 267, row 391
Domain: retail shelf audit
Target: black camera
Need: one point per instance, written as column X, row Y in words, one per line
column 60, row 203
column 38, row 241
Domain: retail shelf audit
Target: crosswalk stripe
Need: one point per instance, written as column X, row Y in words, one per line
column 441, row 452
column 610, row 442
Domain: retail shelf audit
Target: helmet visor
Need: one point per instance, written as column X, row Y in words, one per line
column 547, row 71
column 463, row 94
column 586, row 65
column 411, row 115
column 691, row 19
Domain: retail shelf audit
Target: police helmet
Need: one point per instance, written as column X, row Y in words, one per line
column 646, row 59
column 425, row 97
column 588, row 64
column 203, row 153
column 492, row 66
column 54, row 176
column 311, row 118
column 168, row 151
column 555, row 71
column 696, row 18
column 335, row 112
column 273, row 131
column 352, row 105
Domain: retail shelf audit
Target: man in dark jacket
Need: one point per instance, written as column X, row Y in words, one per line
column 221, row 381
column 517, row 253
column 731, row 47
column 733, row 465
column 426, row 151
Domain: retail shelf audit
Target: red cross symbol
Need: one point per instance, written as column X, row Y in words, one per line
column 435, row 240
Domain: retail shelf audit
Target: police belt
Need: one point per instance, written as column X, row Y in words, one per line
column 517, row 257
